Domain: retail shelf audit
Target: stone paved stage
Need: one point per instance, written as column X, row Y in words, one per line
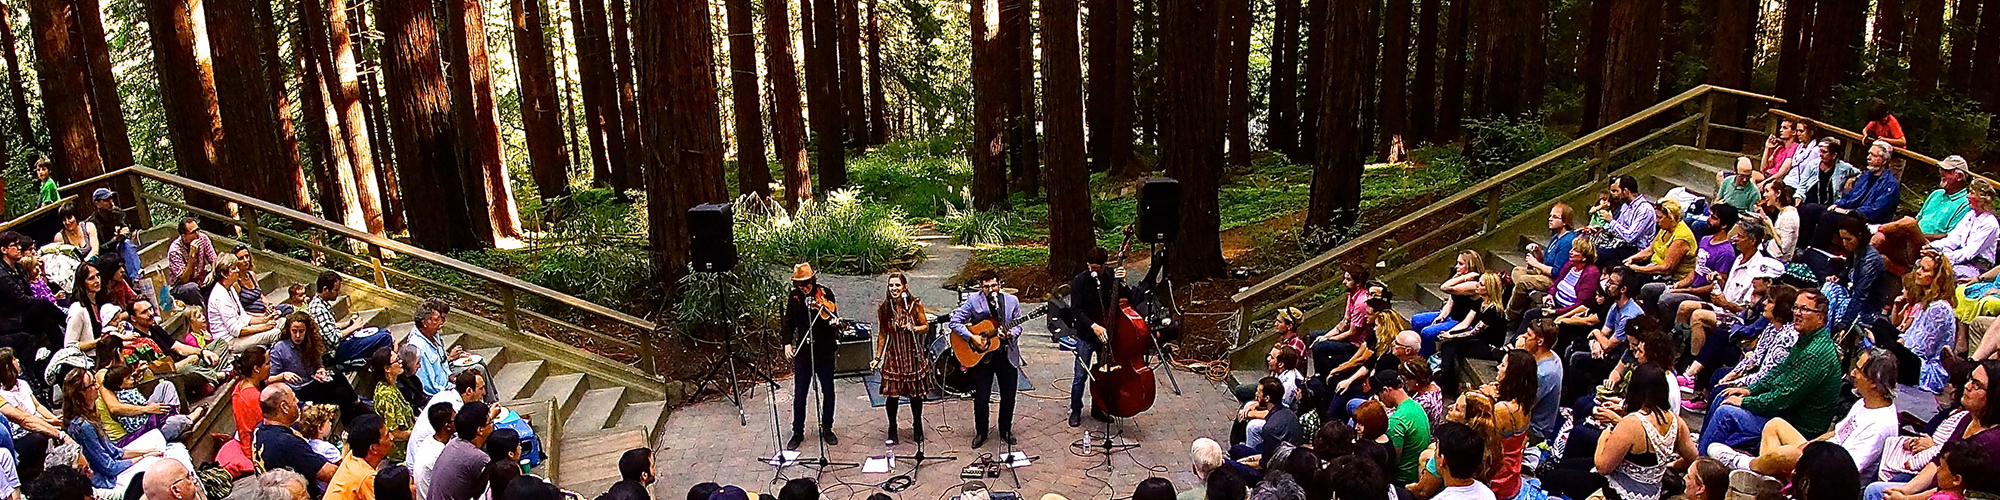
column 704, row 442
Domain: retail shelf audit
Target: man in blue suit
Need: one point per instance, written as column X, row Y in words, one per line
column 992, row 368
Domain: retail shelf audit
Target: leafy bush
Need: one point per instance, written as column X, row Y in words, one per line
column 1500, row 143
column 922, row 176
column 1011, row 256
column 975, row 227
column 838, row 233
column 756, row 288
column 595, row 249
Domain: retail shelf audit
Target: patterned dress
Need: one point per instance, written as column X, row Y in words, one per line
column 906, row 370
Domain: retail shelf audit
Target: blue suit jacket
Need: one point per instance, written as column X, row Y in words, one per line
column 975, row 310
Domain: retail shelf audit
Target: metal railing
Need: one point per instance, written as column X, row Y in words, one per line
column 373, row 258
column 1483, row 203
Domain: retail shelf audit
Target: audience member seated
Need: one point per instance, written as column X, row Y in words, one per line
column 279, row 446
column 467, row 386
column 1863, row 276
column 1670, row 258
column 1779, row 212
column 424, row 448
column 1804, row 388
column 1409, row 428
column 424, row 354
column 249, row 294
column 82, row 330
column 60, row 482
column 1476, row 338
column 228, row 323
column 1645, row 439
column 1744, row 282
column 1497, row 425
column 1355, row 331
column 1739, row 188
column 635, row 472
column 169, row 480
column 188, row 360
column 111, row 465
column 253, row 373
column 1942, row 210
column 1461, row 303
column 1630, row 222
column 36, row 432
column 1513, row 395
column 316, row 426
column 1461, row 457
column 1779, row 149
column 1267, row 422
column 1971, row 242
column 1420, row 383
column 274, row 484
column 1979, row 412
column 126, row 415
column 1353, row 477
column 393, row 483
column 1347, row 382
column 1540, row 273
column 1772, row 334
column 1714, row 255
column 78, row 233
column 349, row 341
column 1706, row 479
column 189, row 259
column 1154, row 488
column 503, row 461
column 1868, row 424
column 1544, row 406
column 459, row 473
column 1819, row 175
column 398, row 415
column 1920, row 325
column 1965, row 470
column 367, row 447
column 1874, row 193
column 1572, row 294
column 296, row 360
column 1825, row 472
column 1605, row 347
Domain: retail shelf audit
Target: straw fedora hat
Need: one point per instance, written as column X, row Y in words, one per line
column 802, row 272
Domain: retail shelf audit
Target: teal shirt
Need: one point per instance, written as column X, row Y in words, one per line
column 1409, row 434
column 1740, row 197
column 49, row 192
column 1942, row 211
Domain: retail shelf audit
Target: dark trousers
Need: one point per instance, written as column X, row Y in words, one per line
column 1085, row 352
column 33, row 450
column 1329, row 354
column 995, row 369
column 1452, row 352
column 813, row 362
column 334, row 391
column 190, row 293
column 1586, row 372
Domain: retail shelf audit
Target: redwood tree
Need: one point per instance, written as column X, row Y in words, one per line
column 1070, row 223
column 753, row 174
column 343, row 71
column 1729, row 64
column 187, row 93
column 64, row 77
column 1281, row 133
column 541, row 116
column 1336, row 184
column 600, row 93
column 683, row 134
column 250, row 143
column 1187, row 55
column 1395, row 65
column 471, row 84
column 1451, row 96
column 19, row 99
column 1024, row 170
column 1110, row 113
column 992, row 44
column 787, row 126
column 828, row 111
column 332, row 168
column 427, row 156
column 114, row 137
column 1235, row 26
column 628, row 107
column 1631, row 53
column 851, row 94
column 1315, row 80
column 1422, row 103
column 878, row 126
column 1926, row 42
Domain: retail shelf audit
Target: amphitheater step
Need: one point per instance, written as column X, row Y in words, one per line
column 562, row 389
column 646, row 415
column 595, row 410
column 514, row 379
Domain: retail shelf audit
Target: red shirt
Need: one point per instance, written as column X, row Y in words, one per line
column 1886, row 128
column 249, row 412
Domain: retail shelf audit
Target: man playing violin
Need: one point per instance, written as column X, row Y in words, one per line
column 811, row 323
column 1003, row 307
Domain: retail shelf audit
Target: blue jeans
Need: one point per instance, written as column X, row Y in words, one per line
column 1876, row 490
column 131, row 254
column 1084, row 353
column 1422, row 322
column 1730, row 425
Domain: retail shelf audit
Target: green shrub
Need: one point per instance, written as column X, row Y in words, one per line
column 975, row 227
column 838, row 233
column 754, row 287
column 1500, row 143
column 1011, row 256
column 921, row 176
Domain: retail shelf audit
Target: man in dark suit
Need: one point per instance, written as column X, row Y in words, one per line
column 1090, row 298
column 1003, row 307
column 813, row 339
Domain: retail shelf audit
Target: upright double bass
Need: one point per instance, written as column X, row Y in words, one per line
column 1122, row 380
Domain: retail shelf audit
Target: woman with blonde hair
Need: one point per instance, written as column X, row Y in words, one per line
column 1462, row 300
column 1479, row 411
column 1475, row 338
column 1922, row 323
column 227, row 321
column 899, row 354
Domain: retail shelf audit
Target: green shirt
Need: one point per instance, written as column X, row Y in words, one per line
column 1409, row 434
column 1740, row 197
column 1804, row 389
column 1942, row 211
column 396, row 414
column 49, row 192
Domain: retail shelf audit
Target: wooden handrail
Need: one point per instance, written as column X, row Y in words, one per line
column 1851, row 135
column 381, row 243
column 38, row 212
column 1283, row 279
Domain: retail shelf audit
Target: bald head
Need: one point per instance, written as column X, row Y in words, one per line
column 169, row 480
column 278, row 403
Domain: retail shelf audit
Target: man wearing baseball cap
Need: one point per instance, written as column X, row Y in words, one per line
column 1901, row 239
column 124, row 236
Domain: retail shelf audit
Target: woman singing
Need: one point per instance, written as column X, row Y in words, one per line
column 899, row 355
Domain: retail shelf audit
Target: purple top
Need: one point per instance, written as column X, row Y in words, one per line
column 1579, row 292
column 1711, row 257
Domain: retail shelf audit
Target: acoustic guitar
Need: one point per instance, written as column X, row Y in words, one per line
column 986, row 337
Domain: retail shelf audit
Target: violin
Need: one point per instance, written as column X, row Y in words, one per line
column 828, row 310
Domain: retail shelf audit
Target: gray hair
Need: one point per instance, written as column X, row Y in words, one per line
column 1207, row 455
column 273, row 485
column 1880, row 370
column 430, row 305
column 1755, row 229
column 1887, row 149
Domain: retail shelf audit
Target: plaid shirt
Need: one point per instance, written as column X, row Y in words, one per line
column 322, row 315
column 203, row 255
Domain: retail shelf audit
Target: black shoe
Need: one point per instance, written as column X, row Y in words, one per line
column 797, row 439
column 827, row 436
column 1007, row 436
column 979, row 440
column 1099, row 415
column 1075, row 418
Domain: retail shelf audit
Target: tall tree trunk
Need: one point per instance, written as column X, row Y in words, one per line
column 852, row 97
column 1423, row 90
column 1282, row 132
column 1839, row 33
column 828, row 111
column 1672, row 39
column 1451, row 100
column 1195, row 138
column 187, row 94
column 991, row 80
column 878, row 127
column 114, row 137
column 293, row 177
column 541, row 116
column 753, row 174
column 1336, row 184
column 332, row 169
column 344, row 77
column 379, row 135
column 1236, row 101
column 1315, row 80
column 1891, row 18
column 787, row 125
column 19, row 99
column 1597, row 38
column 1110, row 111
column 1146, row 22
column 1025, row 169
column 1794, row 43
column 427, row 151
column 1632, row 54
column 1531, row 16
column 1729, row 64
column 250, row 143
column 1071, row 227
column 1926, row 42
column 1395, row 67
column 600, row 94
column 1986, row 64
column 628, row 107
column 64, row 76
column 1964, row 27
column 685, row 137
column 471, row 81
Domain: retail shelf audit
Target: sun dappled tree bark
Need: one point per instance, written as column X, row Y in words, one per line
column 343, row 72
column 628, row 106
column 753, row 174
column 683, row 133
column 829, row 120
column 1315, row 80
column 992, row 47
column 878, row 104
column 1070, row 223
column 541, row 116
column 600, row 107
column 187, row 94
column 1024, row 171
column 473, row 107
column 427, row 153
column 65, row 81
column 787, row 126
column 332, row 164
column 1236, row 24
column 19, row 97
column 1187, row 56
column 1336, row 182
column 114, row 139
column 292, row 178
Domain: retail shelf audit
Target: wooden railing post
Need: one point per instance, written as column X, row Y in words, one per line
column 646, row 349
column 1492, row 211
column 1707, row 117
column 131, row 185
column 375, row 261
column 510, row 309
column 249, row 217
column 1603, row 166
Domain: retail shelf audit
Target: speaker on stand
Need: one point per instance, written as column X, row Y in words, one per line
column 711, row 238
column 1159, row 210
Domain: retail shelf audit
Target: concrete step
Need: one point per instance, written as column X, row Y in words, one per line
column 517, row 379
column 1509, row 259
column 1430, row 294
column 1408, row 307
column 371, row 317
column 646, row 415
column 563, row 389
column 592, row 455
column 595, row 410
column 496, row 357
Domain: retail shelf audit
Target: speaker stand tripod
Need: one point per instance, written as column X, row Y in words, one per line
column 729, row 358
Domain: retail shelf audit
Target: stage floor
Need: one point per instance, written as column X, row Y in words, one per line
column 705, row 442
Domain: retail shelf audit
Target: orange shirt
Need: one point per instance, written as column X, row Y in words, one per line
column 354, row 480
column 245, row 404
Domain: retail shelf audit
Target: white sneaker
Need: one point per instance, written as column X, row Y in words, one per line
column 1729, row 456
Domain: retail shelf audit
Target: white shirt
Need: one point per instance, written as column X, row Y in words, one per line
column 1475, row 491
column 1973, row 237
column 1742, row 272
column 424, row 453
column 1291, row 380
column 1786, row 236
column 1862, row 432
column 225, row 315
column 79, row 327
column 423, row 425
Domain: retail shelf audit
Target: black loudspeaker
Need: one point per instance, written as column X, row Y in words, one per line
column 711, row 238
column 1159, row 210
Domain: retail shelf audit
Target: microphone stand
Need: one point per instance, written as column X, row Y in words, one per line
column 819, row 464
